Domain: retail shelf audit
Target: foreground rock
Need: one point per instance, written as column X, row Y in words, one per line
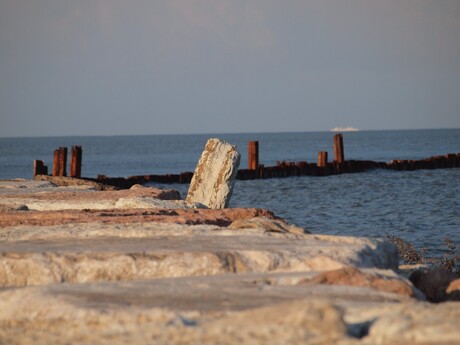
column 66, row 181
column 228, row 309
column 95, row 252
column 183, row 275
column 42, row 196
column 16, row 216
column 438, row 285
column 351, row 276
column 214, row 177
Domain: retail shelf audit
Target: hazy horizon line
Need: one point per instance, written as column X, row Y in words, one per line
column 331, row 130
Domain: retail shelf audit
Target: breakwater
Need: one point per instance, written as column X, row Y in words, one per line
column 255, row 170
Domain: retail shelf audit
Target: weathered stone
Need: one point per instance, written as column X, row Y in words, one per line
column 300, row 322
column 66, row 181
column 195, row 276
column 268, row 225
column 224, row 217
column 90, row 252
column 82, row 198
column 17, row 185
column 417, row 323
column 453, row 290
column 214, row 177
column 352, row 276
column 233, row 308
column 433, row 283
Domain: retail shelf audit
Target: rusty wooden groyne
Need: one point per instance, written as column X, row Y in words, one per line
column 255, row 170
column 60, row 163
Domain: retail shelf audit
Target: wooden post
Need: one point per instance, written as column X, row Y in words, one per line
column 338, row 148
column 75, row 161
column 62, row 161
column 322, row 159
column 253, row 155
column 40, row 168
column 79, row 160
column 37, row 166
column 261, row 171
column 56, row 163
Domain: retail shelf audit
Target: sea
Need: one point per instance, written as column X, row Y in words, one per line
column 421, row 207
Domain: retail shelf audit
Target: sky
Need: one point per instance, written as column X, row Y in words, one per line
column 117, row 67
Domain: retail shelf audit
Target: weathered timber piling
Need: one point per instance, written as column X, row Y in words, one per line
column 256, row 170
column 40, row 168
column 339, row 156
column 60, row 162
column 253, row 155
column 302, row 168
column 56, row 163
column 63, row 161
column 322, row 159
column 286, row 169
column 261, row 171
column 450, row 160
column 75, row 161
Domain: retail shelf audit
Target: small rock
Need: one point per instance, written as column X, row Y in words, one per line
column 22, row 208
column 270, row 225
column 298, row 322
column 138, row 186
column 417, row 323
column 352, row 276
column 433, row 283
column 453, row 290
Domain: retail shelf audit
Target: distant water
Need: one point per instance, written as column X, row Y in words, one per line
column 422, row 207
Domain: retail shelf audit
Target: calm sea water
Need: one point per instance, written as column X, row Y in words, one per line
column 422, row 207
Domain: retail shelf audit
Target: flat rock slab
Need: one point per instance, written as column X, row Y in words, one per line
column 233, row 308
column 72, row 181
column 41, row 196
column 189, row 252
column 225, row 217
column 216, row 294
column 44, row 191
column 125, row 274
column 7, row 186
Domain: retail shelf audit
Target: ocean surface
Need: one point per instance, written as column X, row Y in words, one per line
column 422, row 207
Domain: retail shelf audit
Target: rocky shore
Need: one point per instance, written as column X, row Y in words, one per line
column 84, row 264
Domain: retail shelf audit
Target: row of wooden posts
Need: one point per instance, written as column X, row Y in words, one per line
column 339, row 155
column 255, row 170
column 322, row 167
column 60, row 163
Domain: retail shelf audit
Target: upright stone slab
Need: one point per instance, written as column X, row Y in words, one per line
column 214, row 177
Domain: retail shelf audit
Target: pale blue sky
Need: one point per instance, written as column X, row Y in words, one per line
column 106, row 67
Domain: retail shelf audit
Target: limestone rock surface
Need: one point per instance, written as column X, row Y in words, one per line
column 268, row 224
column 224, row 217
column 214, row 178
column 418, row 323
column 351, row 276
column 65, row 181
column 72, row 254
column 49, row 197
column 156, row 275
column 256, row 308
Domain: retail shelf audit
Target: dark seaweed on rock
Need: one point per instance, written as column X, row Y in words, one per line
column 410, row 255
column 407, row 252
